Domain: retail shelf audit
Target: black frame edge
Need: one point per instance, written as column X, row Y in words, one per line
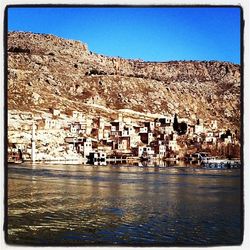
column 5, row 42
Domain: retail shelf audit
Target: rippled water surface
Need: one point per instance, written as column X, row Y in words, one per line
column 85, row 205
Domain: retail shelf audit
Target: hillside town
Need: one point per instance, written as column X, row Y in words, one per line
column 78, row 138
column 68, row 104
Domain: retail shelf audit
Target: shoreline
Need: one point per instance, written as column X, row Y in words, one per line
column 139, row 166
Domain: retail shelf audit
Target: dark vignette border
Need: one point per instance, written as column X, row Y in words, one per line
column 242, row 23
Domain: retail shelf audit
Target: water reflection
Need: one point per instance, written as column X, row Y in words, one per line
column 122, row 205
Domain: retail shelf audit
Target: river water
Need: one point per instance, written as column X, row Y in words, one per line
column 126, row 205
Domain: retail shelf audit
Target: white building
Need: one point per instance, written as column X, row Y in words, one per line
column 123, row 145
column 52, row 123
column 78, row 115
column 172, row 145
column 131, row 131
column 120, row 117
column 125, row 133
column 210, row 137
column 143, row 130
column 100, row 134
column 87, row 147
column 134, row 140
column 75, row 127
column 228, row 140
column 168, row 130
column 121, row 126
column 56, row 112
column 98, row 158
column 145, row 150
column 88, row 126
column 150, row 137
column 75, row 114
column 162, row 150
column 101, row 123
column 106, row 134
column 198, row 129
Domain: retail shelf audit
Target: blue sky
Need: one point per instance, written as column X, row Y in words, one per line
column 151, row 34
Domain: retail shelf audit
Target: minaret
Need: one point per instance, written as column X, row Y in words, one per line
column 33, row 143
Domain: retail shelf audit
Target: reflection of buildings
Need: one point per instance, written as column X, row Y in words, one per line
column 33, row 144
column 129, row 200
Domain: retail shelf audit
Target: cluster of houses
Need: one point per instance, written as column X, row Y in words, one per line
column 143, row 139
column 119, row 138
column 99, row 140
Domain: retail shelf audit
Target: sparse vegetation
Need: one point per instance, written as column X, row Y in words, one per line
column 150, row 87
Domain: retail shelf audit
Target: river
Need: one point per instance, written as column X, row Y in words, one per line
column 123, row 205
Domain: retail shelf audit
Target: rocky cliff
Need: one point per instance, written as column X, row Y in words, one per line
column 46, row 71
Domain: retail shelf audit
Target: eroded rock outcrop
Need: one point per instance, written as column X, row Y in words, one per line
column 46, row 71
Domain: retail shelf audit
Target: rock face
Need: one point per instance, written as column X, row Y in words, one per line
column 45, row 71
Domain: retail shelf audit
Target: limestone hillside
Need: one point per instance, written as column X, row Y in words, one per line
column 46, row 71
